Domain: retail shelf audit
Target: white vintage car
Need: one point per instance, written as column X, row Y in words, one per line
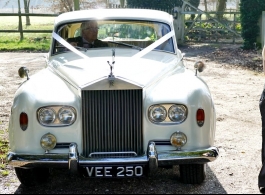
column 121, row 110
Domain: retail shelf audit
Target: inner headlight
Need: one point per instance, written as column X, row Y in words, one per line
column 157, row 113
column 177, row 113
column 66, row 115
column 47, row 116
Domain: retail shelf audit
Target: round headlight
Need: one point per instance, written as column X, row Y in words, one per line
column 46, row 116
column 157, row 113
column 178, row 139
column 66, row 115
column 177, row 113
column 48, row 141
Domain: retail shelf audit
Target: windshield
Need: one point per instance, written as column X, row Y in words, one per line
column 114, row 33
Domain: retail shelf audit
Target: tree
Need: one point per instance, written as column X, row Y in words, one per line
column 6, row 3
column 26, row 8
column 195, row 3
column 165, row 4
column 68, row 5
column 205, row 4
column 220, row 7
column 61, row 5
column 122, row 3
column 251, row 12
column 155, row 4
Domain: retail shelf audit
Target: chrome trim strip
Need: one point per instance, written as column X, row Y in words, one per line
column 185, row 157
column 72, row 160
column 111, row 153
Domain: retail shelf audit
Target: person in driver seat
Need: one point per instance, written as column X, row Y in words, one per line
column 89, row 36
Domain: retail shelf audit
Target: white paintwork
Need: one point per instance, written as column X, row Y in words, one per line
column 137, row 14
column 162, row 76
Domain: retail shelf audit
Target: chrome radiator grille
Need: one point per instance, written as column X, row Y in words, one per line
column 112, row 122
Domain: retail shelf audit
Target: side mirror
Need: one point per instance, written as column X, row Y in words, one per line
column 199, row 66
column 23, row 71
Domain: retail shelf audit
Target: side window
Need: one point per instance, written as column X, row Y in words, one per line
column 168, row 45
column 77, row 33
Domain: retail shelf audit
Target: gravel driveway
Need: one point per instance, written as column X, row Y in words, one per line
column 235, row 88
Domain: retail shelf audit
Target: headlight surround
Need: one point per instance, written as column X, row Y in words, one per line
column 177, row 113
column 167, row 114
column 157, row 113
column 56, row 115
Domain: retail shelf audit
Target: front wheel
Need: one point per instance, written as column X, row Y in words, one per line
column 192, row 173
column 32, row 176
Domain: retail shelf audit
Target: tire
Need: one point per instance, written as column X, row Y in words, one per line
column 32, row 176
column 192, row 173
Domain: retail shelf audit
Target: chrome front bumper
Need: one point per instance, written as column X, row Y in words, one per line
column 73, row 161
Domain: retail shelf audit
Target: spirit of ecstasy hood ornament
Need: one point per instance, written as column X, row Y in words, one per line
column 111, row 77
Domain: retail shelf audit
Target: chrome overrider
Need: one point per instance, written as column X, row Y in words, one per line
column 152, row 159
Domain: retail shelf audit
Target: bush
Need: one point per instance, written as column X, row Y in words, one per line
column 250, row 11
column 158, row 4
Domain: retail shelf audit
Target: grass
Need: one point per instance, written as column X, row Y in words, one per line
column 31, row 41
column 36, row 43
column 4, row 148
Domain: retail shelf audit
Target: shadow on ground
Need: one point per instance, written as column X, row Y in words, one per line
column 166, row 181
column 229, row 54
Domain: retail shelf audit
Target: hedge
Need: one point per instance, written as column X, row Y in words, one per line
column 250, row 13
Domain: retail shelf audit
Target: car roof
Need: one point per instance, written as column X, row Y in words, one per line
column 137, row 14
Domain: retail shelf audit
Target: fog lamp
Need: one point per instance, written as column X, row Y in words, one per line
column 178, row 139
column 48, row 141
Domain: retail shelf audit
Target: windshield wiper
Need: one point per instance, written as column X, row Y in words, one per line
column 63, row 48
column 80, row 48
column 127, row 45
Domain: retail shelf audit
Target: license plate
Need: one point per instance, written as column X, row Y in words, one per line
column 114, row 171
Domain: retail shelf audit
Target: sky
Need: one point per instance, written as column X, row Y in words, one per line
column 35, row 5
column 13, row 4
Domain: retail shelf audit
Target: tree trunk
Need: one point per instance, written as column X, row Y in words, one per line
column 205, row 5
column 220, row 7
column 107, row 4
column 76, row 5
column 26, row 8
column 66, row 6
column 237, row 5
column 20, row 22
column 122, row 3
